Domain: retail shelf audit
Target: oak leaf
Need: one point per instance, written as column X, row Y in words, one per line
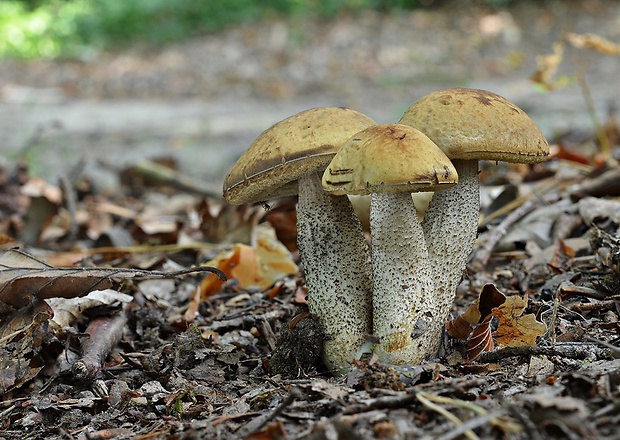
column 516, row 329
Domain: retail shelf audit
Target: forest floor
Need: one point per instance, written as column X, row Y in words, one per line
column 133, row 344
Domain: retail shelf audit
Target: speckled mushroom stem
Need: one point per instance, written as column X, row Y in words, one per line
column 450, row 227
column 404, row 307
column 336, row 262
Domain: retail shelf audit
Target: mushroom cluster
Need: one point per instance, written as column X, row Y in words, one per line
column 401, row 289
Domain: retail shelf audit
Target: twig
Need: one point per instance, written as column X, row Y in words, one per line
column 390, row 402
column 70, row 203
column 611, row 347
column 539, row 190
column 4, row 414
column 259, row 422
column 598, row 127
column 471, row 424
column 103, row 334
column 582, row 307
column 574, row 350
column 424, row 399
column 168, row 176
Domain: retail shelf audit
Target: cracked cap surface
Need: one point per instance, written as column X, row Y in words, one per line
column 477, row 124
column 295, row 146
column 389, row 158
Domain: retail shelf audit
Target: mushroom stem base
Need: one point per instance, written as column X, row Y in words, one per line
column 404, row 308
column 336, row 262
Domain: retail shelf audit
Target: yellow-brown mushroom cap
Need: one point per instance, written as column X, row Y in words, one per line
column 297, row 145
column 389, row 158
column 477, row 124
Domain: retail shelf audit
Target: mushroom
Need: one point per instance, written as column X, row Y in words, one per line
column 286, row 159
column 390, row 161
column 468, row 125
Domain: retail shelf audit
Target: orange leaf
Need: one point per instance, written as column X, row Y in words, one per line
column 516, row 329
column 258, row 267
column 462, row 326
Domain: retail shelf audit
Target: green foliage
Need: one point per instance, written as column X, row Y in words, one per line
column 45, row 31
column 54, row 28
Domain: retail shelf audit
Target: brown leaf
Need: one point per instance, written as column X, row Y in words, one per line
column 462, row 326
column 19, row 344
column 516, row 329
column 547, row 67
column 259, row 266
column 23, row 277
column 593, row 42
column 283, row 218
column 481, row 339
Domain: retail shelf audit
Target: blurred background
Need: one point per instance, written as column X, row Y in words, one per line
column 91, row 86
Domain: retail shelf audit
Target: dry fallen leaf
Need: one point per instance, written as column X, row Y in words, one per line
column 23, row 277
column 259, row 266
column 593, row 42
column 68, row 310
column 481, row 339
column 516, row 329
column 462, row 326
column 547, row 67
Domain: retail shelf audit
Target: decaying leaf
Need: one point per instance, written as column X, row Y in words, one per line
column 259, row 266
column 462, row 326
column 516, row 329
column 481, row 339
column 547, row 67
column 23, row 277
column 593, row 42
column 20, row 343
column 68, row 310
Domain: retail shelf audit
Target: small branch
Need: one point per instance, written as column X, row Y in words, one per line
column 103, row 334
column 583, row 307
column 390, row 402
column 613, row 348
column 471, row 424
column 70, row 203
column 423, row 398
column 167, row 176
column 576, row 350
column 259, row 422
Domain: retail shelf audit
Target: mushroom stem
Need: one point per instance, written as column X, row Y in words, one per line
column 450, row 228
column 336, row 262
column 404, row 308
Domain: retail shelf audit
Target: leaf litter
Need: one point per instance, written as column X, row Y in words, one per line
column 116, row 319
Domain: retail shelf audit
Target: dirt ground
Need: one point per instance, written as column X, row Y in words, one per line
column 134, row 344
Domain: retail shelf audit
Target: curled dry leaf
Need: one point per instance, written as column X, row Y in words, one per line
column 20, row 342
column 68, row 310
column 593, row 42
column 516, row 329
column 259, row 266
column 462, row 326
column 481, row 339
column 547, row 67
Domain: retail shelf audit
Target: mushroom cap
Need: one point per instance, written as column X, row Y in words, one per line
column 389, row 158
column 300, row 144
column 477, row 124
